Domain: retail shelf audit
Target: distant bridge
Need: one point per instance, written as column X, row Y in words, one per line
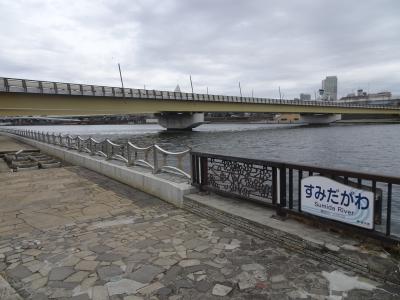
column 22, row 97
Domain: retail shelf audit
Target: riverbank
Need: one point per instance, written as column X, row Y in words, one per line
column 71, row 232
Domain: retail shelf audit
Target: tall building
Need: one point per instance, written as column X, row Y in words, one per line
column 329, row 87
column 305, row 97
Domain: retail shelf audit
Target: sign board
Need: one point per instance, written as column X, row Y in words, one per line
column 330, row 199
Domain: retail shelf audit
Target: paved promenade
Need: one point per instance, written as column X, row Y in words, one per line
column 70, row 233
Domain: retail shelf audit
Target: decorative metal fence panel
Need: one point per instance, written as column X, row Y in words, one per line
column 245, row 179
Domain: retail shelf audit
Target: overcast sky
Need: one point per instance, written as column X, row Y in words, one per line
column 263, row 44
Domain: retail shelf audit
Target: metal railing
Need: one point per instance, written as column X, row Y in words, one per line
column 278, row 185
column 128, row 153
column 14, row 85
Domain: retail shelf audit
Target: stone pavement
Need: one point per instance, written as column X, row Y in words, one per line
column 8, row 144
column 70, row 233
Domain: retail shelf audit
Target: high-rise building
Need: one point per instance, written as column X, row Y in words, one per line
column 329, row 87
column 305, row 97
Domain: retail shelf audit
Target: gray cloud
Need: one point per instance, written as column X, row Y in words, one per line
column 263, row 44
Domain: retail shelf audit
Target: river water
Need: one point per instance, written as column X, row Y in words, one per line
column 370, row 148
column 367, row 148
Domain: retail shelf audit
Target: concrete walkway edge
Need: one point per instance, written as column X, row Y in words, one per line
column 166, row 190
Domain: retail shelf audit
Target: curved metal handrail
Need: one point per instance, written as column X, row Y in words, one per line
column 93, row 145
column 167, row 168
column 171, row 153
column 110, row 151
column 128, row 153
column 140, row 162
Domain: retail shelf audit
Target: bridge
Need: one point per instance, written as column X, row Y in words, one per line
column 175, row 110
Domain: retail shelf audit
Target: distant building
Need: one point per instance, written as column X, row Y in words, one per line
column 305, row 97
column 361, row 95
column 381, row 98
column 329, row 88
column 177, row 89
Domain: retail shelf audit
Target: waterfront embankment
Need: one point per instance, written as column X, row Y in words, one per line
column 71, row 233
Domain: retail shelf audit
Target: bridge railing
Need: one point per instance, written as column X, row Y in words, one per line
column 153, row 157
column 14, row 85
column 278, row 185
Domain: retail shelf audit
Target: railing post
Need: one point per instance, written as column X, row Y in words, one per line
column 41, row 87
column 282, row 191
column 203, row 173
column 193, row 168
column 90, row 147
column 128, row 154
column 109, row 150
column 274, row 185
column 24, row 85
column 6, row 85
column 155, row 159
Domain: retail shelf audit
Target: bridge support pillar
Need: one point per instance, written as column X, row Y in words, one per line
column 180, row 121
column 320, row 118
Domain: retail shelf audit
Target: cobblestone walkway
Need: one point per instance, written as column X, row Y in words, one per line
column 70, row 233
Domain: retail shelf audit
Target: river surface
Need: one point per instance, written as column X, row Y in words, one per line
column 368, row 148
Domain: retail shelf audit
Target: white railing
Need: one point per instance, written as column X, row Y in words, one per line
column 153, row 157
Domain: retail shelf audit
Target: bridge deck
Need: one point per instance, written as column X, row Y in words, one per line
column 22, row 97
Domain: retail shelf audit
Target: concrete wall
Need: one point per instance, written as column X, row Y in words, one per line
column 320, row 118
column 169, row 191
column 180, row 121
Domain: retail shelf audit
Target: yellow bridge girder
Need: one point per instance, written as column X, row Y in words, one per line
column 23, row 104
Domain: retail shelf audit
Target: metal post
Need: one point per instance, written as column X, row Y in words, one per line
column 204, row 173
column 6, row 85
column 155, row 160
column 24, row 85
column 122, row 82
column 274, row 186
column 389, row 210
column 40, row 87
column 282, row 190
column 191, row 83
column 240, row 89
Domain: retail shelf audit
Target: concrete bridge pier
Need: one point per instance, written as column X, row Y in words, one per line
column 180, row 121
column 320, row 118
